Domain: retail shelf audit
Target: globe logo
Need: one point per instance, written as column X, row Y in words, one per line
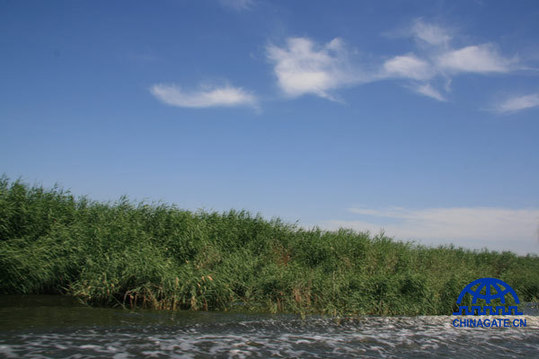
column 488, row 284
column 488, row 289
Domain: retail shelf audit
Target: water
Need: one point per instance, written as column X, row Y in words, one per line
column 55, row 327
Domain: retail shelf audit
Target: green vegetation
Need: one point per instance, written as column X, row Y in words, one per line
column 159, row 256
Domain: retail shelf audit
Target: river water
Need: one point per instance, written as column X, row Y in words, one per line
column 57, row 327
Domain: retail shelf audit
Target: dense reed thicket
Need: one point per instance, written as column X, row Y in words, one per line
column 159, row 256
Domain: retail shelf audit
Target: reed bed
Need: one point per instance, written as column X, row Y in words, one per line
column 159, row 256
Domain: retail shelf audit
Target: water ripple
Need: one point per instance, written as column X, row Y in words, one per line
column 414, row 337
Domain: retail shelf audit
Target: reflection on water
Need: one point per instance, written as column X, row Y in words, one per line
column 55, row 327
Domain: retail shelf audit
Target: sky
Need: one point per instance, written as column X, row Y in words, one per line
column 416, row 118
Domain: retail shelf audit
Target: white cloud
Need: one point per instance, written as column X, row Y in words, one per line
column 436, row 59
column 303, row 67
column 518, row 103
column 430, row 33
column 408, row 66
column 475, row 227
column 479, row 58
column 209, row 96
column 237, row 4
column 429, row 91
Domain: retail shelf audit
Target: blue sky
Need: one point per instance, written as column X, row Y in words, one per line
column 417, row 117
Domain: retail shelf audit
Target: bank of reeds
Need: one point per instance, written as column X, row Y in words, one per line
column 159, row 256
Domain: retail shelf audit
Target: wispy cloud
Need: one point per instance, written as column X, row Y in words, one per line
column 475, row 227
column 435, row 58
column 237, row 5
column 518, row 103
column 208, row 96
column 408, row 66
column 303, row 67
column 426, row 89
column 430, row 33
column 479, row 59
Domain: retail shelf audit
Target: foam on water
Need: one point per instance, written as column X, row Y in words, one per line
column 283, row 336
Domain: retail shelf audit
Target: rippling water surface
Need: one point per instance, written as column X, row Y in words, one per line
column 53, row 327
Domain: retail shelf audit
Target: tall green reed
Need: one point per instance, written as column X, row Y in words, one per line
column 159, row 256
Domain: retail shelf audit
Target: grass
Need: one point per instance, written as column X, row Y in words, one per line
column 159, row 256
